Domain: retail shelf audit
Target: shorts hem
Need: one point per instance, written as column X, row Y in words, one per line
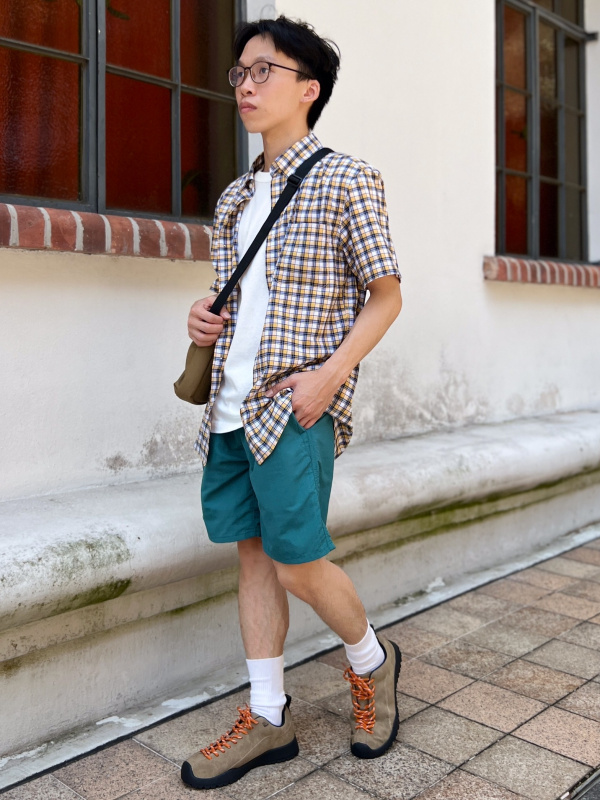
column 240, row 537
column 321, row 553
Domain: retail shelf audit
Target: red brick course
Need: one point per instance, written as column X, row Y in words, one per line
column 525, row 270
column 31, row 228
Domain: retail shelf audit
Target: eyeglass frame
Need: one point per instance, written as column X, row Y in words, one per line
column 261, row 61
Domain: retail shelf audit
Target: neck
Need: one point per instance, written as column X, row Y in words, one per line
column 275, row 143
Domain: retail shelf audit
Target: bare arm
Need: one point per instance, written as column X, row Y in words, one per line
column 313, row 391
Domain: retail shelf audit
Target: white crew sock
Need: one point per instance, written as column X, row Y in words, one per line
column 267, row 697
column 367, row 655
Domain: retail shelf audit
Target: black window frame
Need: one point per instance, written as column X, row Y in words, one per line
column 535, row 15
column 92, row 60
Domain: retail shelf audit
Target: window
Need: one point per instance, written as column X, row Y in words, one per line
column 541, row 168
column 118, row 106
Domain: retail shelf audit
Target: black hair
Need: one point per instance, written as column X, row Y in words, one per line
column 319, row 59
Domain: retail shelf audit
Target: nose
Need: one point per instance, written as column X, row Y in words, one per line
column 247, row 84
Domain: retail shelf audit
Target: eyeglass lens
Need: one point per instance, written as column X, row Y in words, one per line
column 259, row 73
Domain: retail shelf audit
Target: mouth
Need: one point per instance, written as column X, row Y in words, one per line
column 244, row 108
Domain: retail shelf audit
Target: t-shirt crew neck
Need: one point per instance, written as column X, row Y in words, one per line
column 238, row 375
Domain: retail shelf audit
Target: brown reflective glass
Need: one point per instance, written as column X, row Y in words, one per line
column 572, row 92
column 515, row 60
column 208, row 140
column 515, row 130
column 516, row 214
column 549, row 5
column 138, row 146
column 51, row 23
column 548, row 220
column 569, row 9
column 573, row 201
column 572, row 147
column 39, row 126
column 206, row 33
column 138, row 35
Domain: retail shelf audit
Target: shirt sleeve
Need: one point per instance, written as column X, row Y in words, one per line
column 365, row 233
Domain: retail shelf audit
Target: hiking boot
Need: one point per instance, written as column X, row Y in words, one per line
column 375, row 704
column 252, row 742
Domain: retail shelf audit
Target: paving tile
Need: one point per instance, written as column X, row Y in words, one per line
column 322, row 785
column 584, row 701
column 594, row 544
column 115, row 771
column 588, row 555
column 400, row 774
column 526, row 769
column 414, row 640
column 536, row 620
column 484, row 606
column 266, row 781
column 535, row 681
column 321, row 735
column 178, row 738
column 545, row 580
column 45, row 788
column 446, row 621
column 492, row 706
column 467, row 659
column 460, row 785
column 587, row 635
column 570, row 658
column 312, row 681
column 337, row 658
column 513, row 591
column 587, row 589
column 429, row 683
column 596, row 620
column 578, row 607
column 446, row 736
column 173, row 788
column 569, row 568
column 567, row 734
column 504, row 638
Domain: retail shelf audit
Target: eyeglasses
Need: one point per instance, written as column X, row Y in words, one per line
column 259, row 72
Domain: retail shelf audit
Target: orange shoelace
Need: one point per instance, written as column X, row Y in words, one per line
column 363, row 700
column 241, row 728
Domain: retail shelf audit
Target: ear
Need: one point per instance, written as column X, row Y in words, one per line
column 312, row 91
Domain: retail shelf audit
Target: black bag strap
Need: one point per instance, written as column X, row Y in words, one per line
column 291, row 187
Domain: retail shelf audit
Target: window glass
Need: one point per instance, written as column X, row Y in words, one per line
column 40, row 128
column 572, row 90
column 207, row 127
column 515, row 127
column 138, row 145
column 548, row 220
column 516, row 214
column 573, row 200
column 569, row 9
column 138, row 35
column 51, row 24
column 572, row 147
column 206, row 53
column 548, row 102
column 515, row 61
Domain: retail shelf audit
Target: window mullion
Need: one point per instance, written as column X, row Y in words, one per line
column 101, row 105
column 176, row 200
column 501, row 144
column 89, row 107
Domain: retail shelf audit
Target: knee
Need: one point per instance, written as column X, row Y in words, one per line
column 292, row 578
column 251, row 554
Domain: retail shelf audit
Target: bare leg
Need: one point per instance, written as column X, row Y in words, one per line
column 262, row 603
column 331, row 594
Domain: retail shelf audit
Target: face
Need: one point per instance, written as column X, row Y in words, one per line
column 282, row 101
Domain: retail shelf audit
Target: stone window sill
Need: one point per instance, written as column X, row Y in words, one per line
column 524, row 270
column 34, row 228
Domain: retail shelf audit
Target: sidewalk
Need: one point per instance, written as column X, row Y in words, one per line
column 499, row 699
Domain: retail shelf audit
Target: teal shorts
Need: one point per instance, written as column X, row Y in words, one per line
column 284, row 500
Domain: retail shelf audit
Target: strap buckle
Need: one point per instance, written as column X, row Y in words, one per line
column 295, row 180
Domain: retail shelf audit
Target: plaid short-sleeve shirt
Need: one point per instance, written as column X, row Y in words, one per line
column 331, row 241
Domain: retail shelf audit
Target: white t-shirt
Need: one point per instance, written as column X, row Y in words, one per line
column 252, row 311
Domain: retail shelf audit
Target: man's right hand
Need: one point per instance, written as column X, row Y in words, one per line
column 204, row 327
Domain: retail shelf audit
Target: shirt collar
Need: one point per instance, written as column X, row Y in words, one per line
column 287, row 163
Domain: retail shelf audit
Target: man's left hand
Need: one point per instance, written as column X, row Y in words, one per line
column 312, row 394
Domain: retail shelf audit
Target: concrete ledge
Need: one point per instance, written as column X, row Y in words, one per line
column 107, row 595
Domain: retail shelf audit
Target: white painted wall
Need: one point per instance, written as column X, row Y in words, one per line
column 90, row 345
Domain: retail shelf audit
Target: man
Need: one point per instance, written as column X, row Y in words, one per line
column 285, row 368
